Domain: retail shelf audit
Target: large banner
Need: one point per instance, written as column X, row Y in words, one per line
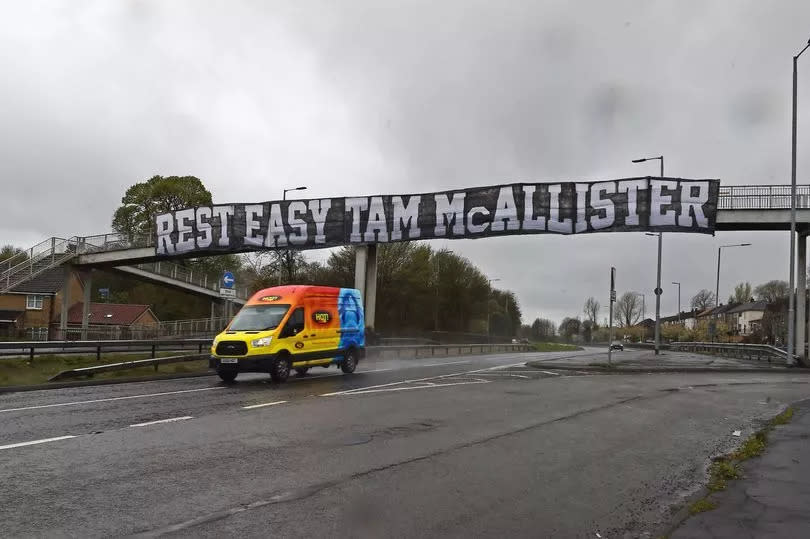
column 627, row 205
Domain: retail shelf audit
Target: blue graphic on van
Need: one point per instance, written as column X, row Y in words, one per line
column 352, row 322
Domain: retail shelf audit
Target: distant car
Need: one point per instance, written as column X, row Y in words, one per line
column 617, row 346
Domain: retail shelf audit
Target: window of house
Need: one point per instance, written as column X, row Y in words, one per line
column 34, row 301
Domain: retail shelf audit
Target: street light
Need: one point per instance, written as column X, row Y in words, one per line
column 792, row 307
column 658, row 290
column 717, row 287
column 489, row 293
column 284, row 196
column 679, row 300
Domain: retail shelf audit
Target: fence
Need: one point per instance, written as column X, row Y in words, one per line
column 733, row 350
column 762, row 197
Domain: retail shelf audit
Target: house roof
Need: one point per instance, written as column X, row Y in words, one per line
column 720, row 309
column 685, row 315
column 114, row 314
column 9, row 316
column 48, row 282
column 750, row 306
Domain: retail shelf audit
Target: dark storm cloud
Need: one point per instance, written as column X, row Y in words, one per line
column 356, row 98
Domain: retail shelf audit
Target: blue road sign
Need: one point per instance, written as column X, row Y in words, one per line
column 227, row 280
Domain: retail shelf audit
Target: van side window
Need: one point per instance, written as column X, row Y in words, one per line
column 295, row 324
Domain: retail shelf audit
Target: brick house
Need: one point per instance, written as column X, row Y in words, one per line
column 29, row 309
column 114, row 320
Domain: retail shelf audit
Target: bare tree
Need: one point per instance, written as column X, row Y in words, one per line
column 772, row 291
column 702, row 300
column 591, row 310
column 628, row 309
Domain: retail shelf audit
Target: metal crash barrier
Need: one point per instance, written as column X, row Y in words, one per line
column 733, row 350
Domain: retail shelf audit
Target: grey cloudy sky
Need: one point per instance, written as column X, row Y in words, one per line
column 367, row 97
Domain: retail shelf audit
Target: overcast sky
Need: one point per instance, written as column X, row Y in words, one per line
column 369, row 97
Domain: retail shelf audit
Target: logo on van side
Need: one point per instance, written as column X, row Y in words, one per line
column 321, row 317
column 269, row 298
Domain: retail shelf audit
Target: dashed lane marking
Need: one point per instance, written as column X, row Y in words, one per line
column 159, row 421
column 35, row 442
column 75, row 403
column 252, row 406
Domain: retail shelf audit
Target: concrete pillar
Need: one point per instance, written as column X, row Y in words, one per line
column 371, row 286
column 801, row 287
column 211, row 323
column 360, row 259
column 63, row 315
column 88, row 288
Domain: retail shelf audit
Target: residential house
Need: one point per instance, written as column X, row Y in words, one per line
column 687, row 318
column 113, row 321
column 747, row 317
column 29, row 309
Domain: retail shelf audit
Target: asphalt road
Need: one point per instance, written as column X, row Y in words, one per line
column 465, row 446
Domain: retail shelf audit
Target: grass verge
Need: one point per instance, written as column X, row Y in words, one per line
column 727, row 468
column 554, row 347
column 18, row 372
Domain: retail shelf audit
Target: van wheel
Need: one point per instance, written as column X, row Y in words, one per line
column 227, row 375
column 301, row 370
column 280, row 370
column 349, row 362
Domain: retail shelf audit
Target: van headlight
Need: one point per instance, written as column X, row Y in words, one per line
column 264, row 341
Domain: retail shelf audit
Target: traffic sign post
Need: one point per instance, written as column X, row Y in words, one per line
column 227, row 293
column 228, row 280
column 612, row 300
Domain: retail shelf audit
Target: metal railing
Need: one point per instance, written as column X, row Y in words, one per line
column 39, row 258
column 761, row 197
column 32, row 348
column 734, row 350
column 187, row 275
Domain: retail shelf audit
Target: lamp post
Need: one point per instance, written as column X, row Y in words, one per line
column 792, row 304
column 489, row 293
column 717, row 286
column 658, row 290
column 679, row 300
column 284, row 195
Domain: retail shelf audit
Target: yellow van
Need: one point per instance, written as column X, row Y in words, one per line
column 292, row 327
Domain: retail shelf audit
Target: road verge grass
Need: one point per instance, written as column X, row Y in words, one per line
column 555, row 347
column 19, row 372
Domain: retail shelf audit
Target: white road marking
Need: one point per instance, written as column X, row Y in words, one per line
column 549, row 372
column 252, row 406
column 35, row 442
column 74, row 403
column 431, row 386
column 445, row 363
column 376, row 370
column 170, row 420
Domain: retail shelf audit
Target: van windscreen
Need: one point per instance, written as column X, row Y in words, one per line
column 258, row 317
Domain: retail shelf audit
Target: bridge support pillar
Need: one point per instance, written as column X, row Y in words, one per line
column 88, row 288
column 801, row 295
column 63, row 312
column 365, row 279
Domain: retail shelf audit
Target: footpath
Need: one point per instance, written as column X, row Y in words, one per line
column 772, row 498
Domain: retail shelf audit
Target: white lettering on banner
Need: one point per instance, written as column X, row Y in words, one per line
column 276, row 235
column 554, row 222
column 376, row 225
column 449, row 212
column 505, row 210
column 164, row 226
column 223, row 212
column 406, row 216
column 694, row 203
column 185, row 230
column 605, row 210
column 471, row 226
column 298, row 225
column 658, row 200
column 204, row 227
column 252, row 211
column 582, row 193
column 631, row 187
column 356, row 206
column 529, row 221
column 320, row 209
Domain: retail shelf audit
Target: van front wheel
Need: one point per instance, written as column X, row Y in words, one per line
column 280, row 370
column 349, row 362
column 227, row 375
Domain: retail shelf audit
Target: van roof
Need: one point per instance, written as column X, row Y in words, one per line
column 291, row 293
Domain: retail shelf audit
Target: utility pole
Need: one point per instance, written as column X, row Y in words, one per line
column 612, row 300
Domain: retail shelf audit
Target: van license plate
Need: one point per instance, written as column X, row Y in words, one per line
column 228, row 360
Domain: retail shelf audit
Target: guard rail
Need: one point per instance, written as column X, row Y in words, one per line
column 735, row 350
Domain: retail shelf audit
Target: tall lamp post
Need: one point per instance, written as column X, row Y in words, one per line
column 679, row 300
column 287, row 255
column 489, row 293
column 792, row 304
column 658, row 290
column 717, row 286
